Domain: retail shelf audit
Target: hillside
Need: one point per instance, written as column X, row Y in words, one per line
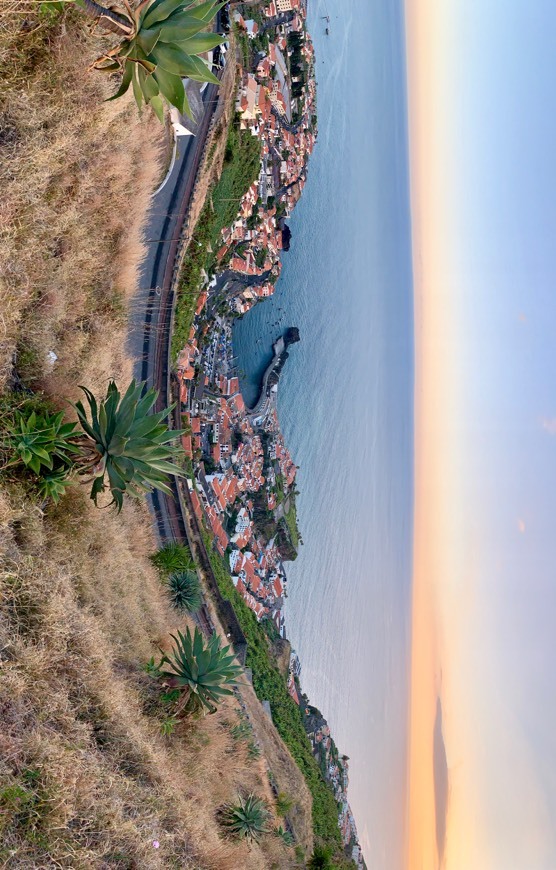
column 92, row 773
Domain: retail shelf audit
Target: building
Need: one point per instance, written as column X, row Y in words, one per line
column 252, row 28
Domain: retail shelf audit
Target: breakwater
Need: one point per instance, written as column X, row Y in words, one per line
column 271, row 376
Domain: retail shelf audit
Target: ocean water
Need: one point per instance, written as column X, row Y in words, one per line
column 346, row 407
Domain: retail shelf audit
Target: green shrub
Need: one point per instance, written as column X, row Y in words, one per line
column 321, row 859
column 247, row 819
column 184, row 590
column 284, row 803
column 173, row 557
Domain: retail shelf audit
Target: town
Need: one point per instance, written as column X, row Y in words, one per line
column 244, row 475
column 243, row 478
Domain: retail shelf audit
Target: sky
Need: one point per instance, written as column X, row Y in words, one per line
column 481, row 83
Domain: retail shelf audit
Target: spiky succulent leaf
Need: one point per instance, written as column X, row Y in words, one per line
column 172, row 558
column 201, row 42
column 247, row 819
column 126, row 81
column 54, row 485
column 283, row 835
column 204, row 670
column 162, row 49
column 42, row 441
column 185, row 593
column 132, row 450
column 206, row 11
column 171, row 87
column 160, row 10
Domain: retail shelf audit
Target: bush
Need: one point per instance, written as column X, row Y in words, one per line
column 284, row 803
column 269, row 684
column 321, row 859
column 173, row 557
column 185, row 591
column 247, row 819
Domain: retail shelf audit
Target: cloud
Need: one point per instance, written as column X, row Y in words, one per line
column 549, row 425
column 521, row 526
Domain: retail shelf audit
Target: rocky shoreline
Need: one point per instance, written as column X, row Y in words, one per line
column 244, row 479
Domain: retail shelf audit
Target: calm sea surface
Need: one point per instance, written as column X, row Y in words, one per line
column 346, row 406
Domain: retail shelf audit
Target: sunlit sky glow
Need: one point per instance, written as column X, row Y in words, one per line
column 482, row 79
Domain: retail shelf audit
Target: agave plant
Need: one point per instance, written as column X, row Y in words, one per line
column 283, row 835
column 203, row 671
column 173, row 557
column 161, row 44
column 185, row 591
column 321, row 859
column 54, row 484
column 126, row 444
column 41, row 442
column 247, row 819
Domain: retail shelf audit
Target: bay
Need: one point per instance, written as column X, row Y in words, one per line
column 346, row 407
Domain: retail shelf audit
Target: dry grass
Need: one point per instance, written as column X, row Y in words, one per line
column 76, row 175
column 212, row 164
column 87, row 780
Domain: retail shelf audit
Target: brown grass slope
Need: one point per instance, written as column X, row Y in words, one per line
column 87, row 779
column 76, row 175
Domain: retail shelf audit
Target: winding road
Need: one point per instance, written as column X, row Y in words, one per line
column 149, row 330
column 149, row 342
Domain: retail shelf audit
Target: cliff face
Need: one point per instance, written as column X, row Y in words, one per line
column 281, row 650
column 286, row 547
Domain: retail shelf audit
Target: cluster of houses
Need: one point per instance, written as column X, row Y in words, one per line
column 231, row 467
column 335, row 768
column 253, row 244
column 235, row 474
column 243, row 474
column 277, row 7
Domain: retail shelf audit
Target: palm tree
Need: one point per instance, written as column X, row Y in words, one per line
column 161, row 41
column 247, row 819
column 203, row 671
column 125, row 448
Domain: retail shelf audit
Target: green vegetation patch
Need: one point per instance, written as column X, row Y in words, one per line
column 269, row 684
column 291, row 522
column 173, row 557
column 242, row 162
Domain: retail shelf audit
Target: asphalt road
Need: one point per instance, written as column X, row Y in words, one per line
column 148, row 338
column 150, row 318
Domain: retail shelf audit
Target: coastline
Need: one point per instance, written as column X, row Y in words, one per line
column 237, row 456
